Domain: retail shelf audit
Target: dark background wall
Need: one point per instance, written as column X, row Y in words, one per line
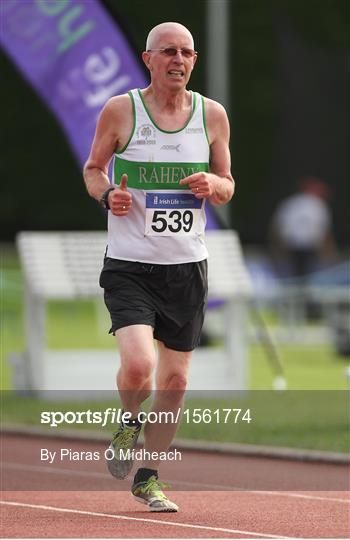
column 290, row 66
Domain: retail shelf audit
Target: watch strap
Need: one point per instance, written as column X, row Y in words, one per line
column 104, row 198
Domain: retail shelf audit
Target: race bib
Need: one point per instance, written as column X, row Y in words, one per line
column 169, row 214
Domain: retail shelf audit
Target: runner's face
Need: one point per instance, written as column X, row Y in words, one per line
column 172, row 72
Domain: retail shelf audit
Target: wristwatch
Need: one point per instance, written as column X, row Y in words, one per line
column 104, row 198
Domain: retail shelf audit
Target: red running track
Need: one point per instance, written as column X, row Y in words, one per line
column 220, row 496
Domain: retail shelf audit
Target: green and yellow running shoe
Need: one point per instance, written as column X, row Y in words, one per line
column 120, row 456
column 151, row 493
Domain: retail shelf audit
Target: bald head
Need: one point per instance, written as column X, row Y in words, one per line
column 163, row 30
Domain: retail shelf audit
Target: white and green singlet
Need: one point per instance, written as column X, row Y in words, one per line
column 166, row 222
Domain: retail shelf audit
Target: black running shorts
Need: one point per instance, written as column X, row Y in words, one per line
column 171, row 298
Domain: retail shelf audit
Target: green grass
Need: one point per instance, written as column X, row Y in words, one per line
column 281, row 420
column 70, row 325
column 307, row 367
column 84, row 324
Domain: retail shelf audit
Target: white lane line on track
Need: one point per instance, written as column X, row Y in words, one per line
column 301, row 496
column 55, row 470
column 144, row 520
column 196, row 485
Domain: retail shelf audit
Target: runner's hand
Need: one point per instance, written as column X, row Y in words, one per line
column 201, row 184
column 120, row 199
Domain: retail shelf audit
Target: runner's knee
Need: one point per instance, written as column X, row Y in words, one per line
column 176, row 381
column 136, row 372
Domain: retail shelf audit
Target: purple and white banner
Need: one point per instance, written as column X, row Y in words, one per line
column 74, row 56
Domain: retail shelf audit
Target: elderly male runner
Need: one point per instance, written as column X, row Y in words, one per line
column 171, row 149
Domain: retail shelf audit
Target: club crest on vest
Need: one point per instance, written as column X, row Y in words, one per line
column 146, row 134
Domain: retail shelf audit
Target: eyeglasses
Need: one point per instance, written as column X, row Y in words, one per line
column 172, row 51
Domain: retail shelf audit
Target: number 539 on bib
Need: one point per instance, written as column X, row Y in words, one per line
column 169, row 214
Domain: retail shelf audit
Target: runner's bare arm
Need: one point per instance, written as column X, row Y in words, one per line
column 220, row 160
column 113, row 126
column 218, row 185
column 112, row 132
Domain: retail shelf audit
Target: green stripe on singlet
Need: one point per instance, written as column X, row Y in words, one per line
column 150, row 175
